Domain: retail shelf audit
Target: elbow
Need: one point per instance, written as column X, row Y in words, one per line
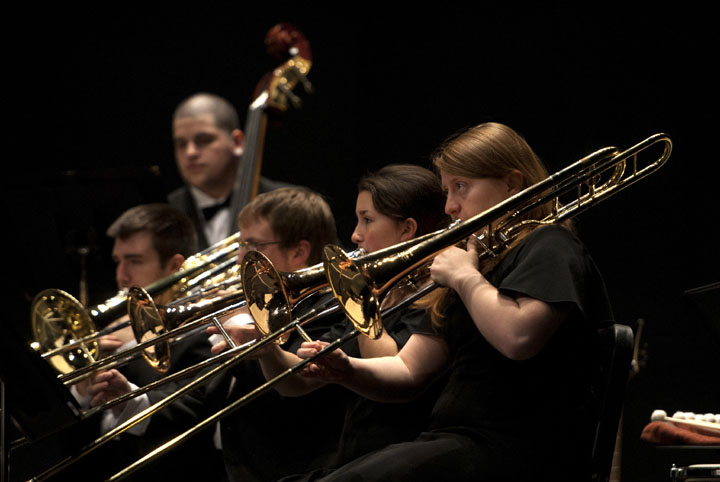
column 520, row 348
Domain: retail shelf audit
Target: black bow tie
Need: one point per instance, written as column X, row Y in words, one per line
column 210, row 211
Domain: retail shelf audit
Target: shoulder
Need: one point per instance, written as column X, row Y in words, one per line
column 553, row 265
column 546, row 255
column 178, row 195
column 553, row 235
column 549, row 243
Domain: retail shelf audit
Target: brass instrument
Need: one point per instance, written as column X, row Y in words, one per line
column 65, row 331
column 149, row 321
column 155, row 327
column 361, row 284
column 225, row 275
column 271, row 295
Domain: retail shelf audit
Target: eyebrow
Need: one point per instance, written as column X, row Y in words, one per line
column 128, row 256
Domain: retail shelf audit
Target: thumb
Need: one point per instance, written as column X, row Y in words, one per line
column 472, row 245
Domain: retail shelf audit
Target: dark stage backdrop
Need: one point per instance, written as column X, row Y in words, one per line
column 96, row 90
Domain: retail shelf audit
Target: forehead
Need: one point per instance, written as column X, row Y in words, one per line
column 256, row 229
column 137, row 244
column 447, row 178
column 364, row 202
column 184, row 126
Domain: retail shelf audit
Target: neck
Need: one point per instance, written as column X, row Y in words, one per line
column 218, row 192
column 222, row 189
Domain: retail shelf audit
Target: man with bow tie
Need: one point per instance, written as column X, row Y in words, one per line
column 208, row 148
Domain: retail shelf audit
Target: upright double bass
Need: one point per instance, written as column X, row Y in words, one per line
column 273, row 92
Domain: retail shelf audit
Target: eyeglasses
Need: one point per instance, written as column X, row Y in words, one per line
column 255, row 245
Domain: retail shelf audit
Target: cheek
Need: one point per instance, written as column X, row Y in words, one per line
column 218, row 157
column 387, row 235
column 481, row 202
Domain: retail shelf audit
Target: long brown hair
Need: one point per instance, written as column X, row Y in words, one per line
column 489, row 150
column 402, row 191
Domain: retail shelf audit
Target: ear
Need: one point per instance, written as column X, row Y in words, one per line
column 300, row 253
column 514, row 181
column 174, row 263
column 239, row 140
column 409, row 228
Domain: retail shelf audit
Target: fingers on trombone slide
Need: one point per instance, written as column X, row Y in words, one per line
column 106, row 386
column 333, row 366
column 232, row 334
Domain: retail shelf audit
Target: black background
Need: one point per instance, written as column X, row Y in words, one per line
column 93, row 92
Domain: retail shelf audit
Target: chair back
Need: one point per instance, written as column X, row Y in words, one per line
column 617, row 344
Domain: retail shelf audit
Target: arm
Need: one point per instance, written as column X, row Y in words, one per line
column 383, row 346
column 273, row 359
column 386, row 379
column 276, row 361
column 518, row 327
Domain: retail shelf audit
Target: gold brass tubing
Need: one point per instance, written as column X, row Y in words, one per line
column 265, row 386
column 360, row 284
column 232, row 407
column 79, row 341
column 149, row 411
column 168, row 378
column 80, row 373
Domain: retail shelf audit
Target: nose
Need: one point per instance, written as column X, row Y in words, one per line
column 241, row 254
column 122, row 278
column 452, row 208
column 191, row 149
column 356, row 236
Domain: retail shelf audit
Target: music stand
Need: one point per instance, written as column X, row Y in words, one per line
column 31, row 393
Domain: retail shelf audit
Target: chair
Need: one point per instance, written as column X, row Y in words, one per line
column 617, row 345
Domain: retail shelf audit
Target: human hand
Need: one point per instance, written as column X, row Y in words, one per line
column 109, row 344
column 107, row 386
column 454, row 264
column 333, row 366
column 240, row 334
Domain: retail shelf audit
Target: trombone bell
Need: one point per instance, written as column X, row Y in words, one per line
column 148, row 325
column 357, row 297
column 262, row 284
column 58, row 319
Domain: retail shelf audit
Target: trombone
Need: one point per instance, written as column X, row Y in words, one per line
column 271, row 295
column 361, row 284
column 229, row 359
column 65, row 331
column 149, row 321
column 155, row 327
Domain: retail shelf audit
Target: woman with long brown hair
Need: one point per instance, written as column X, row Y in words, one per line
column 394, row 204
column 516, row 337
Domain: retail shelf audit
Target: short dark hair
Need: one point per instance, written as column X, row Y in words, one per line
column 294, row 214
column 172, row 231
column 221, row 110
column 402, row 191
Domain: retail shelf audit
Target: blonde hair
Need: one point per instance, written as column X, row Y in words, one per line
column 490, row 150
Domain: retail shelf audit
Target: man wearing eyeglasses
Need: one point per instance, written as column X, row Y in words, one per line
column 290, row 226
